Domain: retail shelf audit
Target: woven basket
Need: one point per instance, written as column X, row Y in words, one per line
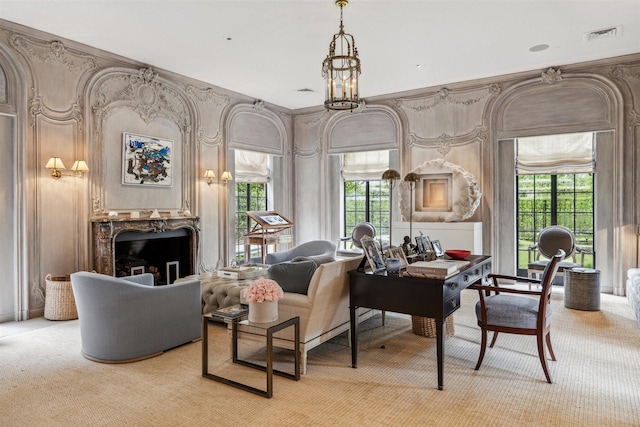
column 59, row 303
column 426, row 326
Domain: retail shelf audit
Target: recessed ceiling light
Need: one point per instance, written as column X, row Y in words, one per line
column 306, row 89
column 418, row 66
column 539, row 48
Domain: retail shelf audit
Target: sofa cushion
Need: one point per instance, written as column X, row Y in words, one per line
column 318, row 259
column 293, row 276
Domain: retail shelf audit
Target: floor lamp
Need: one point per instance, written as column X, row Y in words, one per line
column 411, row 178
column 392, row 176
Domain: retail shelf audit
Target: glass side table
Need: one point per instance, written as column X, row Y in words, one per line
column 235, row 317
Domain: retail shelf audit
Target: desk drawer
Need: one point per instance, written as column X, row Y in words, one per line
column 451, row 304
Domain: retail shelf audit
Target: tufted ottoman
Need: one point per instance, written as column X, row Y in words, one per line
column 219, row 292
column 633, row 291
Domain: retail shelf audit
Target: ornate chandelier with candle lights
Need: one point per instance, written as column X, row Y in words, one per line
column 341, row 69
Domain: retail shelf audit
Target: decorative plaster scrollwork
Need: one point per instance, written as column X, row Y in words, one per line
column 259, row 105
column 210, row 104
column 551, row 76
column 462, row 189
column 315, row 151
column 142, row 93
column 53, row 52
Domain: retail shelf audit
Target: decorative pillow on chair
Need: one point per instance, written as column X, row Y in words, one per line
column 293, row 276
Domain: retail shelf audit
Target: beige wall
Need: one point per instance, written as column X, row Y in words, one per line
column 74, row 102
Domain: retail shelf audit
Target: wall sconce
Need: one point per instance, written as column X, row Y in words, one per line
column 56, row 165
column 226, row 176
column 209, row 175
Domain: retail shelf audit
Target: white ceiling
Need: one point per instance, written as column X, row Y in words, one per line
column 276, row 47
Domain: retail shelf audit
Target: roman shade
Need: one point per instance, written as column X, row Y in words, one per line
column 568, row 153
column 251, row 166
column 365, row 166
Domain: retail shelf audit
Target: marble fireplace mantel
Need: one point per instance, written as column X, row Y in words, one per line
column 105, row 230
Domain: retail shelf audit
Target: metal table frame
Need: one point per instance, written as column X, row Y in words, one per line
column 270, row 329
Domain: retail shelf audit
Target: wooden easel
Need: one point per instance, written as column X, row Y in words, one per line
column 265, row 232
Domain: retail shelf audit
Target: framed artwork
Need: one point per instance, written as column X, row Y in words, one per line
column 437, row 248
column 419, row 245
column 146, row 160
column 372, row 252
column 398, row 253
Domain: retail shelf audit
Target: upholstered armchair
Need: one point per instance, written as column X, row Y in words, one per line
column 312, row 248
column 129, row 319
column 550, row 240
column 359, row 231
column 510, row 310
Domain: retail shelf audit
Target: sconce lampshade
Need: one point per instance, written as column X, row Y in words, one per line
column 226, row 176
column 209, row 175
column 54, row 163
column 80, row 166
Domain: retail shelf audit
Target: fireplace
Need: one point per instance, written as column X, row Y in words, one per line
column 165, row 247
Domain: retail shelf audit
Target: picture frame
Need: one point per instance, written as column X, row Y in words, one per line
column 146, row 160
column 397, row 252
column 372, row 252
column 426, row 244
column 437, row 248
column 419, row 245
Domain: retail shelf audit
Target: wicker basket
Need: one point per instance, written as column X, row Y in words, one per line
column 426, row 326
column 59, row 303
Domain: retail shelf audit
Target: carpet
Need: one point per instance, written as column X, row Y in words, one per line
column 44, row 380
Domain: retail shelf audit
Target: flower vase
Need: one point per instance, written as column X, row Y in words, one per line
column 263, row 312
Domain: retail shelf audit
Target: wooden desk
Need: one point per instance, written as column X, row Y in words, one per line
column 435, row 298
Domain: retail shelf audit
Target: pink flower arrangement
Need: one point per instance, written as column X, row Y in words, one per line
column 261, row 290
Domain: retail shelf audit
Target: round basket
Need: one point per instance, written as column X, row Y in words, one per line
column 59, row 303
column 426, row 326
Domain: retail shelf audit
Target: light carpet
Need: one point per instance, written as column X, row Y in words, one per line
column 45, row 380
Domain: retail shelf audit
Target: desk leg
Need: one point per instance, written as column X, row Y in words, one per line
column 354, row 337
column 440, row 351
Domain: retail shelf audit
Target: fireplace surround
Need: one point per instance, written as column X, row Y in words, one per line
column 166, row 247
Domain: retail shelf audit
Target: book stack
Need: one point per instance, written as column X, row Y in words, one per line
column 438, row 269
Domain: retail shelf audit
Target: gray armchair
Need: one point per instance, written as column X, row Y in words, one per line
column 307, row 249
column 129, row 319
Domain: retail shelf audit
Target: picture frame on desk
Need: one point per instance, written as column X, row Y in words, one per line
column 373, row 254
column 398, row 253
column 437, row 248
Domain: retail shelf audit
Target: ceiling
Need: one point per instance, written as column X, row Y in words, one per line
column 273, row 49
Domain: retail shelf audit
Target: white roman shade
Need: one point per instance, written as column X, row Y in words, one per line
column 568, row 153
column 365, row 166
column 251, row 166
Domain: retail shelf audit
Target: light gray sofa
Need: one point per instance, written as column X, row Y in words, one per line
column 307, row 249
column 129, row 319
column 323, row 310
column 633, row 291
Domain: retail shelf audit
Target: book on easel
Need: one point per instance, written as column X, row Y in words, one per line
column 438, row 269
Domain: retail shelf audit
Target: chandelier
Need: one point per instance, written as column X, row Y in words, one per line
column 341, row 70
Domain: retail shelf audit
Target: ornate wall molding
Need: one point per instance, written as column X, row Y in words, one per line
column 150, row 98
column 447, row 118
column 208, row 104
column 255, row 127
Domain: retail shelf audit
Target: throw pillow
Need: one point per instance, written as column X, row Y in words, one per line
column 293, row 276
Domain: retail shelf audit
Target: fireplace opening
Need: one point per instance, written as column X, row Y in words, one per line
column 166, row 255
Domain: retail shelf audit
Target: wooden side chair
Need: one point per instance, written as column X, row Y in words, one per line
column 518, row 311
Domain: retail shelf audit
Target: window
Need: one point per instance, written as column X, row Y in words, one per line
column 562, row 199
column 366, row 196
column 249, row 197
column 367, row 201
